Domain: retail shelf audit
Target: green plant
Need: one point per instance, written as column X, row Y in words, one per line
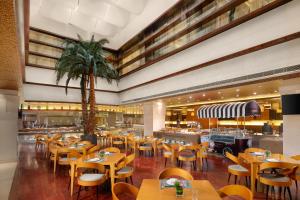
column 85, row 60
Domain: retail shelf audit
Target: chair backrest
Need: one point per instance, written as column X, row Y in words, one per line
column 277, row 165
column 167, row 147
column 129, row 158
column 94, row 149
column 112, row 150
column 232, row 157
column 205, row 144
column 74, row 154
column 251, row 150
column 296, row 157
column 175, row 172
column 236, row 190
column 187, row 147
column 89, row 165
column 124, row 188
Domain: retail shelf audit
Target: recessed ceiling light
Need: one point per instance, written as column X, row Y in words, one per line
column 178, row 98
column 275, row 91
column 219, row 92
column 190, row 97
column 254, row 93
column 203, row 95
column 237, row 90
column 237, row 95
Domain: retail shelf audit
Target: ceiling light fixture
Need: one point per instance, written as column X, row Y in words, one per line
column 237, row 90
column 219, row 92
column 203, row 95
column 190, row 97
column 254, row 93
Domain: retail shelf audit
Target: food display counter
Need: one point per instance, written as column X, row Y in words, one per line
column 181, row 135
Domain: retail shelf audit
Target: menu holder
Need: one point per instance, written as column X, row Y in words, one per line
column 184, row 183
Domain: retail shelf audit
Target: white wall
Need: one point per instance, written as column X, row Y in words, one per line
column 9, row 103
column 48, row 93
column 48, row 76
column 272, row 25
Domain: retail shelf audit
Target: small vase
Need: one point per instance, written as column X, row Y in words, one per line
column 179, row 191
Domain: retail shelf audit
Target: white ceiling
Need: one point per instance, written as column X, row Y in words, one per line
column 116, row 20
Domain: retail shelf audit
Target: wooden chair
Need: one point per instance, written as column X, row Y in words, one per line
column 159, row 145
column 167, row 152
column 236, row 190
column 187, row 154
column 296, row 176
column 202, row 154
column 124, row 189
column 276, row 179
column 237, row 170
column 40, row 141
column 131, row 144
column 175, row 172
column 89, row 179
column 94, row 149
column 112, row 150
column 145, row 146
column 53, row 155
column 252, row 150
column 118, row 141
column 123, row 170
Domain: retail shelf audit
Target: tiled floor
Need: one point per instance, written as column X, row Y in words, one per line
column 34, row 179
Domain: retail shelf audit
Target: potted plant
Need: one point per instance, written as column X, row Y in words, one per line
column 85, row 61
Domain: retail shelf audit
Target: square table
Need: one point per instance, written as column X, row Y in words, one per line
column 255, row 161
column 110, row 160
column 150, row 190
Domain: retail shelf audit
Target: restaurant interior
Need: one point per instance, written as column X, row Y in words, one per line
column 140, row 99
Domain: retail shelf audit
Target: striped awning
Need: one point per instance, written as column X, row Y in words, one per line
column 229, row 110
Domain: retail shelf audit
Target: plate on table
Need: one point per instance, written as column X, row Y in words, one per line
column 94, row 160
column 171, row 181
column 258, row 153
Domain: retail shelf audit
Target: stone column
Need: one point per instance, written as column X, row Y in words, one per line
column 154, row 117
column 291, row 123
column 9, row 103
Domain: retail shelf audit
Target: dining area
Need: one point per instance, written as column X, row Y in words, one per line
column 145, row 168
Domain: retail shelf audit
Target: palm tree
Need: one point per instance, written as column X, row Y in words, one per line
column 85, row 60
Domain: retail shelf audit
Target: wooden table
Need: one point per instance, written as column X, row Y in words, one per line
column 255, row 161
column 110, row 160
column 150, row 190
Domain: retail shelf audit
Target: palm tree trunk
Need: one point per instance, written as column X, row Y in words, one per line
column 84, row 104
column 92, row 102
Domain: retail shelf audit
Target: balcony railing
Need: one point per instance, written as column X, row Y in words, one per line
column 209, row 18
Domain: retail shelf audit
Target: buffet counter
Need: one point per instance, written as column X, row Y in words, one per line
column 63, row 130
column 187, row 137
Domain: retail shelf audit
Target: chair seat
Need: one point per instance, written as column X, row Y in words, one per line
column 145, row 147
column 167, row 153
column 91, row 177
column 125, row 170
column 187, row 155
column 67, row 159
column 238, row 168
column 275, row 178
